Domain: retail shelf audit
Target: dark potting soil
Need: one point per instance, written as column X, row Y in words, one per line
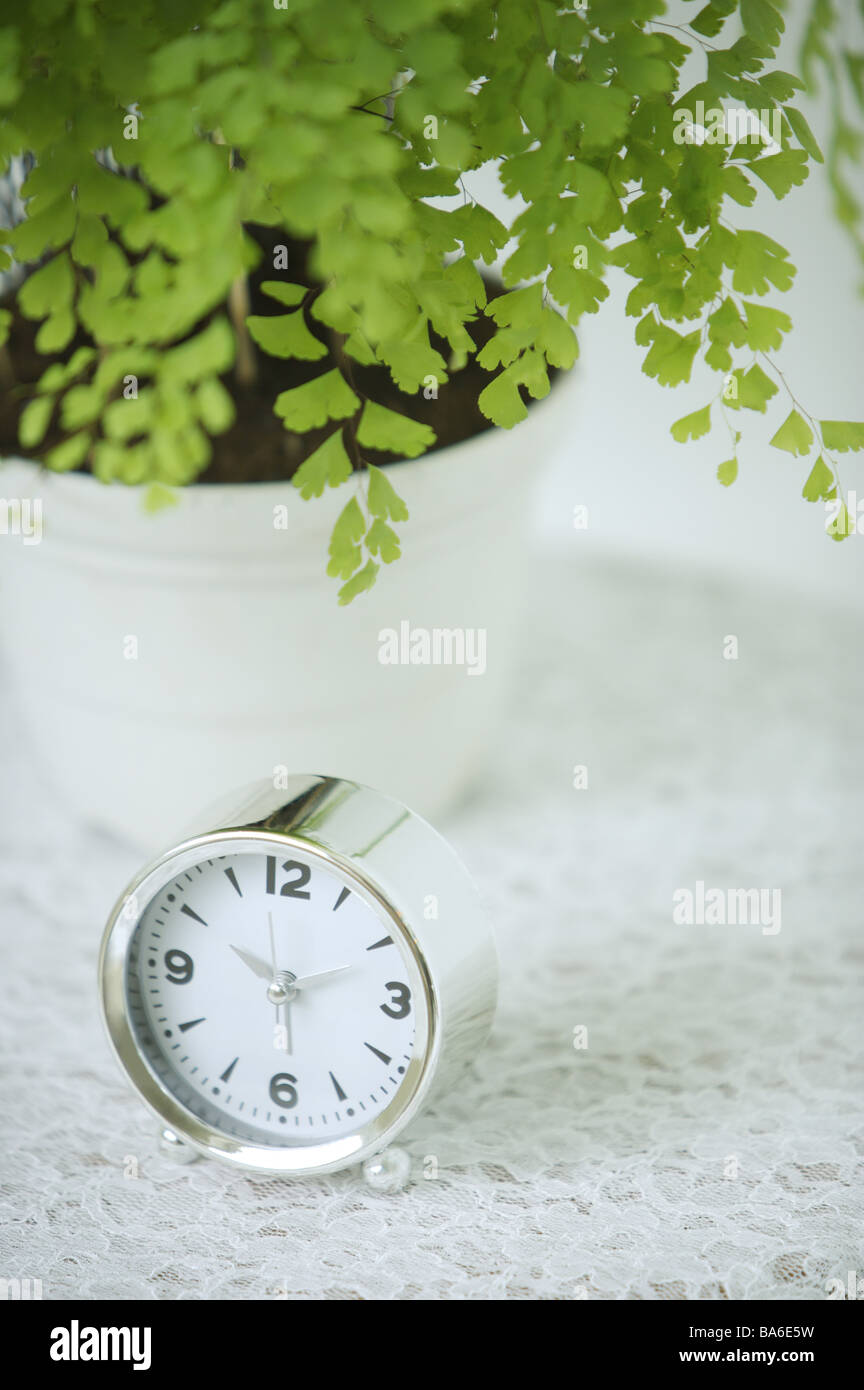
column 257, row 447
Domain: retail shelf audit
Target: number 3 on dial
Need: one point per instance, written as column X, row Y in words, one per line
column 401, row 1000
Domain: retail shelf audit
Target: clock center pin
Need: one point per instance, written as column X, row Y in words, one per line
column 280, row 991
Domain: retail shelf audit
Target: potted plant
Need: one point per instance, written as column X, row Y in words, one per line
column 240, row 320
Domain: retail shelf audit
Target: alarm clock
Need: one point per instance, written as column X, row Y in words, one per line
column 292, row 981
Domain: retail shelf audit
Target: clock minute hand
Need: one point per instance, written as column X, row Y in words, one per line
column 305, row 980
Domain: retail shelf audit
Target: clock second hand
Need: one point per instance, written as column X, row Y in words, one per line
column 278, row 990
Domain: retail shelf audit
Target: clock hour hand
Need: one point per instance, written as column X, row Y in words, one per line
column 258, row 967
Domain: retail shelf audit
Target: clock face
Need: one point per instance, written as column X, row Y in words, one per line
column 273, row 999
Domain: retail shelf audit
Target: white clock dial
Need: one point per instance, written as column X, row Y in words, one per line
column 271, row 999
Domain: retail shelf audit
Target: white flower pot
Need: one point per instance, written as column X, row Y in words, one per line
column 162, row 659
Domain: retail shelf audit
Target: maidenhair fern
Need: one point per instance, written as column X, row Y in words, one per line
column 157, row 133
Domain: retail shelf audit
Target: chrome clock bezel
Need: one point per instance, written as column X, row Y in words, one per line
column 296, row 1160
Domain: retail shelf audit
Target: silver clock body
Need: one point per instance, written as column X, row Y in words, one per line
column 404, row 873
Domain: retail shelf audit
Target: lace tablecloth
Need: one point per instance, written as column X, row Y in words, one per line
column 707, row 1143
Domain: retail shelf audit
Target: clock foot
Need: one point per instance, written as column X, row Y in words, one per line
column 388, row 1171
column 170, row 1146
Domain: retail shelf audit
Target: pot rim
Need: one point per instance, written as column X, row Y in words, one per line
column 540, row 414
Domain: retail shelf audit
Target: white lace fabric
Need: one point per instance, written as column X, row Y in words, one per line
column 707, row 1143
